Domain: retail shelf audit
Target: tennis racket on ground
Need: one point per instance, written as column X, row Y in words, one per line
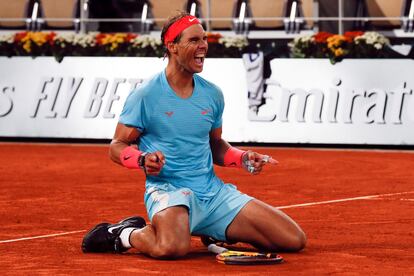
column 231, row 257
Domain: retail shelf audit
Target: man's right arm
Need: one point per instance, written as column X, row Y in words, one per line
column 122, row 152
column 124, row 136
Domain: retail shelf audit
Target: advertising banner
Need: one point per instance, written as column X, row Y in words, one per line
column 274, row 101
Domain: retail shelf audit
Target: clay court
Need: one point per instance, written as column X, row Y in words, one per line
column 356, row 207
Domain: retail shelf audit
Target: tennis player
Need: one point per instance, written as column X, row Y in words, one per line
column 176, row 120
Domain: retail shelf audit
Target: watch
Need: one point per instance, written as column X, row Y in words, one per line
column 141, row 160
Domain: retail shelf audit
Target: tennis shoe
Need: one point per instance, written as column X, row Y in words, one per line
column 104, row 237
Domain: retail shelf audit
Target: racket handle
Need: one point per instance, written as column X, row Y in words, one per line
column 216, row 249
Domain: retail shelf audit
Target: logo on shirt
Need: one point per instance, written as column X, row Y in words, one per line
column 205, row 111
column 191, row 19
column 186, row 193
column 169, row 113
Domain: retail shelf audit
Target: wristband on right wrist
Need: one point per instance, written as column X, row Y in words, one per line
column 129, row 157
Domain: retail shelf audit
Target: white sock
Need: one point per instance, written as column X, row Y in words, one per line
column 124, row 236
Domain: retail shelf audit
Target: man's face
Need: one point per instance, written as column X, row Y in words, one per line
column 192, row 49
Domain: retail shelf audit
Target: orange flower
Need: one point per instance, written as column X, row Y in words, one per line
column 339, row 52
column 38, row 38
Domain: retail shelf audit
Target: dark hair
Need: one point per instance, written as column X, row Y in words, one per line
column 171, row 20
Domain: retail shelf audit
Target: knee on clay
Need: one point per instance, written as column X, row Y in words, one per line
column 294, row 243
column 171, row 250
column 298, row 242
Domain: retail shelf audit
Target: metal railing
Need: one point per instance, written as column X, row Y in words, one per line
column 241, row 24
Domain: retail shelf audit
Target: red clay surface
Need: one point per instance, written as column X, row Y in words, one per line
column 52, row 189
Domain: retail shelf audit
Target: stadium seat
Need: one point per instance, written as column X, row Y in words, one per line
column 221, row 13
column 307, row 8
column 161, row 10
column 265, row 8
column 65, row 11
column 384, row 8
column 14, row 9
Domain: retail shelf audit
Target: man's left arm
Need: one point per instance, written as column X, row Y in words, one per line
column 226, row 155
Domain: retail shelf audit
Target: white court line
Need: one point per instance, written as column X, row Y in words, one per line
column 280, row 207
column 341, row 200
column 406, row 199
column 43, row 236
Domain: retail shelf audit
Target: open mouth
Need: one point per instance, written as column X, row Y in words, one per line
column 199, row 59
